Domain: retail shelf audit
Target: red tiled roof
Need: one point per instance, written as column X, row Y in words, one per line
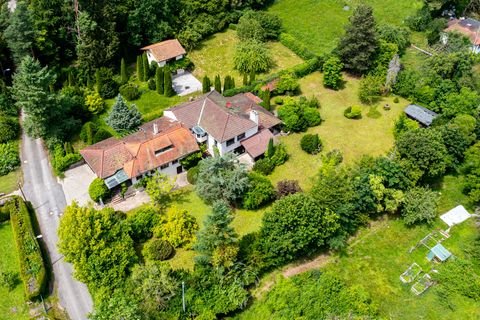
column 470, row 30
column 272, row 85
column 136, row 153
column 253, row 97
column 165, row 50
column 257, row 144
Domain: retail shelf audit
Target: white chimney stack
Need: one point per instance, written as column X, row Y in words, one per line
column 254, row 116
column 155, row 128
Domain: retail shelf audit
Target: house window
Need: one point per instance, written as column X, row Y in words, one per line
column 230, row 142
column 240, row 136
column 160, row 151
column 164, row 166
column 175, row 161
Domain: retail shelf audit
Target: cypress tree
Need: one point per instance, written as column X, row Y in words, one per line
column 226, row 83
column 98, row 80
column 270, row 149
column 252, row 76
column 123, row 72
column 232, row 83
column 266, row 99
column 140, row 74
column 245, row 79
column 146, row 67
column 168, row 90
column 89, row 82
column 218, row 83
column 206, row 84
column 71, row 78
column 159, row 80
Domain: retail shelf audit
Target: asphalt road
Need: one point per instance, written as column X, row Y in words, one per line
column 46, row 194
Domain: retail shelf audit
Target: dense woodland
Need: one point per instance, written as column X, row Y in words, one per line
column 60, row 59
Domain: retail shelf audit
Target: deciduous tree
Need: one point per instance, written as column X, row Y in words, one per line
column 332, row 76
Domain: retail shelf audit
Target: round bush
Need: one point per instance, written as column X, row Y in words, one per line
column 101, row 134
column 278, row 100
column 98, row 190
column 192, row 175
column 311, row 143
column 353, row 112
column 130, row 92
column 152, row 85
column 109, row 89
column 9, row 158
column 396, row 100
column 157, row 250
column 9, row 129
column 312, row 116
column 264, row 166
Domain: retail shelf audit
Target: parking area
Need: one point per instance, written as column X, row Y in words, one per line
column 75, row 184
column 186, row 83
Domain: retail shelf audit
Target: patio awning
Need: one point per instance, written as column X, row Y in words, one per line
column 119, row 177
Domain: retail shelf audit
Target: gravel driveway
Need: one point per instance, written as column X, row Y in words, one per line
column 186, row 83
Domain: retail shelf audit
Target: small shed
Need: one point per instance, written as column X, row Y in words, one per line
column 439, row 253
column 420, row 114
column 455, row 216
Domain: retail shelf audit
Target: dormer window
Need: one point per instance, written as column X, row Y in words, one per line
column 163, row 150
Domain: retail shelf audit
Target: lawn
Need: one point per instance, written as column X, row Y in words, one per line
column 8, row 183
column 12, row 304
column 378, row 254
column 215, row 56
column 319, row 24
column 354, row 138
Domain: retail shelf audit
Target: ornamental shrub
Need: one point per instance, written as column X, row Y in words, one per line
column 94, row 102
column 353, row 112
column 259, row 193
column 88, row 131
column 130, row 91
column 396, row 100
column 312, row 116
column 278, row 100
column 264, row 166
column 157, row 250
column 8, row 280
column 151, row 84
column 9, row 129
column 280, row 156
column 311, row 143
column 287, row 187
column 333, row 73
column 287, row 84
column 98, row 190
column 109, row 89
column 101, row 135
column 192, row 175
column 9, row 158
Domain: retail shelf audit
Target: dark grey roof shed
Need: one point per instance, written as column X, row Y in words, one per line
column 421, row 114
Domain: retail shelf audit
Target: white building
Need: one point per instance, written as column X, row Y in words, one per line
column 164, row 52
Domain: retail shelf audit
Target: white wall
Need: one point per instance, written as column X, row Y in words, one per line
column 169, row 114
column 222, row 148
column 171, row 171
column 150, row 58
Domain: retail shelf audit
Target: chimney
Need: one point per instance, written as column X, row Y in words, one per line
column 254, row 116
column 155, row 128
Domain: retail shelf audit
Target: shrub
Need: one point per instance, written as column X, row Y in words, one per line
column 311, row 143
column 312, row 116
column 8, row 280
column 32, row 268
column 370, row 89
column 252, row 56
column 191, row 160
column 61, row 160
column 101, row 135
column 280, row 156
column 420, row 205
column 334, row 157
column 353, row 112
column 192, row 175
column 264, row 166
column 278, row 100
column 305, row 68
column 94, row 102
column 88, row 131
column 9, row 158
column 396, row 100
column 157, row 250
column 130, row 91
column 259, row 193
column 179, row 228
column 287, row 84
column 109, row 89
column 151, row 84
column 98, row 190
column 333, row 73
column 9, row 129
column 419, row 21
column 287, row 187
column 142, row 222
column 296, row 46
column 298, row 115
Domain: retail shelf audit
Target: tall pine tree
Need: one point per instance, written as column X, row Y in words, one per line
column 358, row 45
column 140, row 74
column 122, row 117
column 245, row 79
column 218, row 84
column 98, row 80
column 123, row 72
column 159, row 80
column 217, row 241
column 168, row 90
column 206, row 84
column 20, row 33
column 146, row 67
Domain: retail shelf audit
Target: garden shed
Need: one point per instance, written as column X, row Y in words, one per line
column 439, row 253
column 455, row 216
column 420, row 114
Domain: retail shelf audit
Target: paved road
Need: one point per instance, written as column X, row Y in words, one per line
column 46, row 194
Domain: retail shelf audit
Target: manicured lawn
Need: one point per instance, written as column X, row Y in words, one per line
column 354, row 138
column 215, row 56
column 12, row 304
column 8, row 183
column 319, row 24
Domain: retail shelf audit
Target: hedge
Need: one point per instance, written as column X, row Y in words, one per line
column 32, row 267
column 61, row 161
column 296, row 46
column 305, row 68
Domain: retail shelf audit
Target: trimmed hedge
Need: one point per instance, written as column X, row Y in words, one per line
column 305, row 68
column 61, row 160
column 98, row 190
column 32, row 267
column 157, row 250
column 296, row 46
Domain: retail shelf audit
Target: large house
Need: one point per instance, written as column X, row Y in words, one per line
column 164, row 52
column 467, row 27
column 228, row 124
column 158, row 145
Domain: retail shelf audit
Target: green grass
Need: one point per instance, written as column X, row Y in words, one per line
column 319, row 24
column 8, row 183
column 215, row 56
column 12, row 304
column 354, row 138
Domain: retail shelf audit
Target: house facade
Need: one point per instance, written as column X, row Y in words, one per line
column 468, row 27
column 164, row 52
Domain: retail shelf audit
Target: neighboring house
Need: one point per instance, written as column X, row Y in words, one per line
column 420, row 114
column 164, row 52
column 467, row 27
column 229, row 124
column 159, row 145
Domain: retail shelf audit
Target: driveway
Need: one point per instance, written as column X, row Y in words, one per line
column 186, row 83
column 75, row 184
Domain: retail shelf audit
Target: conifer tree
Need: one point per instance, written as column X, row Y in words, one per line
column 123, row 117
column 159, row 80
column 206, row 84
column 270, row 149
column 226, row 83
column 232, row 83
column 71, row 79
column 140, row 74
column 218, row 84
column 217, row 240
column 20, row 32
column 252, row 77
column 266, row 99
column 98, row 80
column 245, row 79
column 358, row 45
column 146, row 67
column 168, row 89
column 123, row 72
